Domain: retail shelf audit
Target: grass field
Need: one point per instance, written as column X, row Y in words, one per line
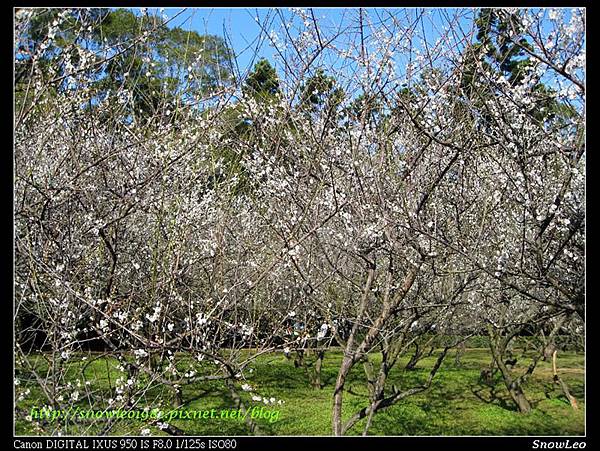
column 456, row 404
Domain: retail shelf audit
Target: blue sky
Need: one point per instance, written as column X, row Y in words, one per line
column 241, row 28
column 249, row 42
column 237, row 24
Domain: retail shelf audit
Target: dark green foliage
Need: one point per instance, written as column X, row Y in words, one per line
column 262, row 82
column 241, row 132
column 495, row 36
column 320, row 91
column 168, row 64
column 502, row 46
column 365, row 107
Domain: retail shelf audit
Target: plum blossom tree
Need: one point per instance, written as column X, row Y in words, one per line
column 396, row 203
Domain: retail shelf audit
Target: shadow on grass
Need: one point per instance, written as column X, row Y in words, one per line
column 493, row 396
column 457, row 403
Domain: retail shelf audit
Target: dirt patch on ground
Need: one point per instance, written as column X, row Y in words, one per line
column 548, row 371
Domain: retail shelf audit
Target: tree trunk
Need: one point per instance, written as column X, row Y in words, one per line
column 370, row 375
column 513, row 385
column 549, row 351
column 516, row 393
column 414, row 358
column 563, row 384
column 460, row 350
column 299, row 360
column 336, row 419
column 316, row 375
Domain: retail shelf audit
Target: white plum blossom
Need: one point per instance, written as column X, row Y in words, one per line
column 140, row 353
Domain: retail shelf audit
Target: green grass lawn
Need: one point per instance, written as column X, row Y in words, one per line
column 456, row 404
